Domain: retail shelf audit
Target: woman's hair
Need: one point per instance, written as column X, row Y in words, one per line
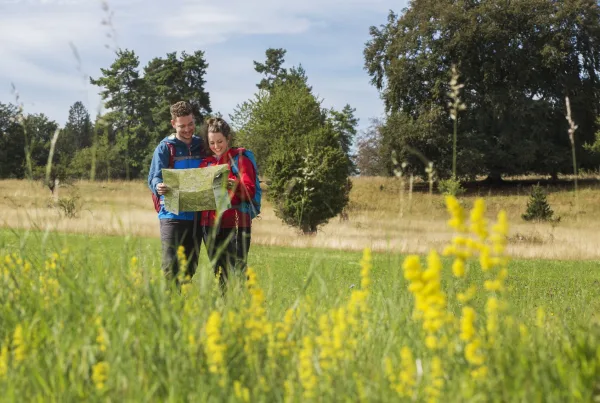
column 216, row 125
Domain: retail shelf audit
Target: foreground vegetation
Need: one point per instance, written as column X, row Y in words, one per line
column 91, row 318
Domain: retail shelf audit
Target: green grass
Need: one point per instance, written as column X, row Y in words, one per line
column 148, row 327
column 569, row 289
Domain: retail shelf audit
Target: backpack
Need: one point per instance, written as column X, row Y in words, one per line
column 155, row 198
column 253, row 207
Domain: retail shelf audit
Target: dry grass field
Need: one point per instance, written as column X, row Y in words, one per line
column 379, row 216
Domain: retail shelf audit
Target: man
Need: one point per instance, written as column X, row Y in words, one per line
column 177, row 229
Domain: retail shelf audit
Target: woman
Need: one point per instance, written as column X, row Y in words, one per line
column 227, row 238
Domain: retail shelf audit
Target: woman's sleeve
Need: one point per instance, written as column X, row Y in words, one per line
column 247, row 179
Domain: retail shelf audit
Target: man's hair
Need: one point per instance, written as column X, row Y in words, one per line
column 218, row 125
column 180, row 109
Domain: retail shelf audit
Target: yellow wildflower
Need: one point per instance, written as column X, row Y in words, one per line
column 101, row 338
column 434, row 389
column 100, row 374
column 412, row 267
column 4, row 360
column 478, row 221
column 408, row 373
column 306, row 371
column 458, row 267
column 431, row 342
column 457, row 214
column 472, row 353
column 523, row 331
column 485, row 260
column 19, row 347
column 480, row 372
column 182, row 262
column 214, row 347
column 241, row 392
column 493, row 285
column 491, row 310
column 467, row 295
column 466, row 323
column 404, row 383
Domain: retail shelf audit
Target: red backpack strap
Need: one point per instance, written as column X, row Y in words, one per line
column 171, row 155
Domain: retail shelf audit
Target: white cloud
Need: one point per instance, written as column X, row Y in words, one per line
column 326, row 36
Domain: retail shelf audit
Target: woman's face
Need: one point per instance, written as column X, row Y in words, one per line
column 218, row 143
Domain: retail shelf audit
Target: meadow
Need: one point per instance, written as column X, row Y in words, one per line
column 504, row 311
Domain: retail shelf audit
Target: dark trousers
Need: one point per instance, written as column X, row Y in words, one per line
column 227, row 249
column 174, row 233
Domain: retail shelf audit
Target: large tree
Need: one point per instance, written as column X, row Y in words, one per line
column 518, row 60
column 299, row 146
column 172, row 79
column 369, row 156
column 39, row 130
column 344, row 128
column 266, row 117
column 12, row 143
column 78, row 131
column 125, row 94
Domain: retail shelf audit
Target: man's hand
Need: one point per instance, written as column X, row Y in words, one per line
column 162, row 189
column 231, row 184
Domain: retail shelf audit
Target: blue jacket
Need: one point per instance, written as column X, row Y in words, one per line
column 185, row 157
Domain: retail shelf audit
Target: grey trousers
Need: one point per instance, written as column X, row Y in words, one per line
column 174, row 233
column 227, row 249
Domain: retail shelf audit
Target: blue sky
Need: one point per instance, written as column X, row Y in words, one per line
column 326, row 36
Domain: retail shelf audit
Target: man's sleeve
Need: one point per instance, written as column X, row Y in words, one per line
column 247, row 187
column 160, row 160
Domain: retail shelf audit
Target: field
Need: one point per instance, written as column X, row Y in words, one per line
column 86, row 315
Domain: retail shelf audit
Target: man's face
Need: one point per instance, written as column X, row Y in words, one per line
column 184, row 126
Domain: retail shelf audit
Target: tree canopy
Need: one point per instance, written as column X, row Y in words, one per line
column 518, row 61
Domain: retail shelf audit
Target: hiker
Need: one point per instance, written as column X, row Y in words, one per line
column 227, row 238
column 180, row 150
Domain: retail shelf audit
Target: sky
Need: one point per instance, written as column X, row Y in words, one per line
column 50, row 47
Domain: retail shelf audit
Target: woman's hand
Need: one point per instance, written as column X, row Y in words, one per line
column 231, row 184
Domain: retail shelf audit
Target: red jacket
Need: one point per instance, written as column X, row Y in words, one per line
column 244, row 190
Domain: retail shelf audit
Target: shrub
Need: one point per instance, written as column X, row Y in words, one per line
column 450, row 187
column 538, row 208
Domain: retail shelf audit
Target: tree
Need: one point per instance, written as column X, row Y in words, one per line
column 344, row 126
column 518, row 59
column 288, row 111
column 308, row 179
column 40, row 130
column 271, row 68
column 172, row 79
column 274, row 72
column 369, row 156
column 103, row 160
column 299, row 150
column 538, row 208
column 126, row 95
column 78, row 130
column 12, row 143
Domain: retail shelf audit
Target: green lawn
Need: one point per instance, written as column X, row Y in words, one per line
column 92, row 330
column 567, row 289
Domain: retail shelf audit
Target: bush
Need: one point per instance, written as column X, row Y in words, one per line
column 309, row 185
column 538, row 208
column 450, row 187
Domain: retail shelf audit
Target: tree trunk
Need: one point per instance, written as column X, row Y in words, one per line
column 494, row 178
column 309, row 229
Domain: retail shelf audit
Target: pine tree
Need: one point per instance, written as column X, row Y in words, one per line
column 538, row 208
